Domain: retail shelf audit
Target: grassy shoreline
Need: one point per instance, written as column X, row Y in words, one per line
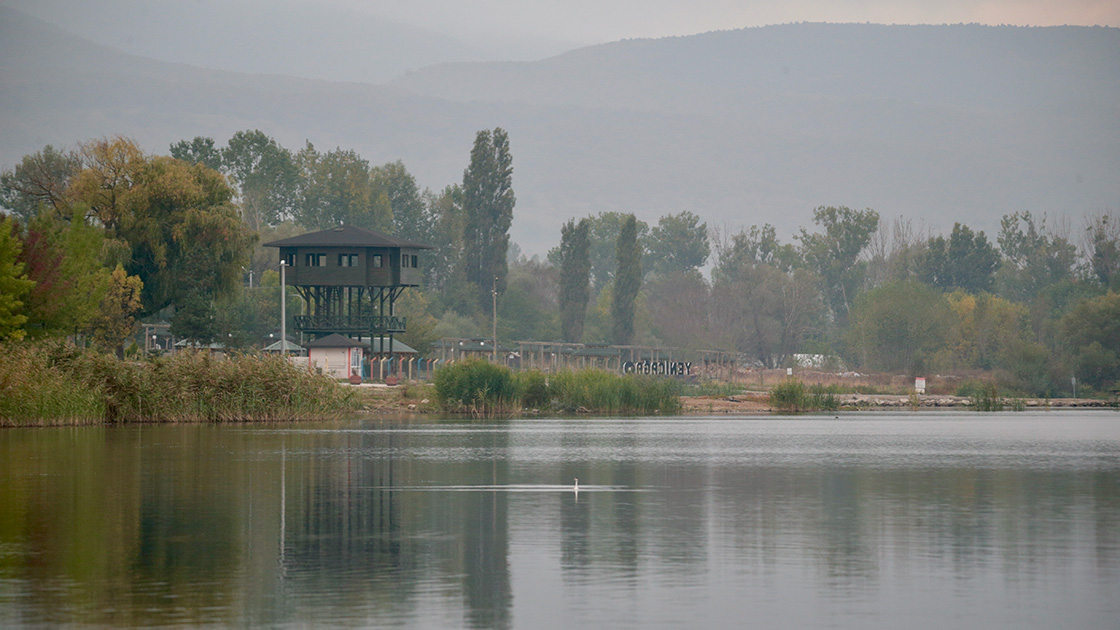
column 58, row 384
column 55, row 384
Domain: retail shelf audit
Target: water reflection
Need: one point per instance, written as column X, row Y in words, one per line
column 876, row 521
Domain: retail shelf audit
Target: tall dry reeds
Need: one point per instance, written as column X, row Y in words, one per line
column 58, row 384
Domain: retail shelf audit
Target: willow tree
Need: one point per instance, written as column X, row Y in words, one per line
column 575, row 278
column 627, row 282
column 488, row 202
column 173, row 224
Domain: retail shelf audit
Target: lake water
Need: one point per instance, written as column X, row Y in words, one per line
column 926, row 520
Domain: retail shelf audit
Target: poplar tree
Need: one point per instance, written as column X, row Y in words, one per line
column 488, row 202
column 575, row 278
column 627, row 282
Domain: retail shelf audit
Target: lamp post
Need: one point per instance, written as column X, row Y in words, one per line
column 283, row 310
column 494, row 311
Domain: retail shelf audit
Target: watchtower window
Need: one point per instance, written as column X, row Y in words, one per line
column 408, row 260
column 290, row 260
column 316, row 260
column 347, row 260
column 376, row 260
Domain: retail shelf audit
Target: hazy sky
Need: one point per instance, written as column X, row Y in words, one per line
column 590, row 21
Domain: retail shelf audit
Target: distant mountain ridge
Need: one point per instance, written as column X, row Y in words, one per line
column 954, row 123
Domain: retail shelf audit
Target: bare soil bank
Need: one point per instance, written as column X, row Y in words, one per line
column 394, row 400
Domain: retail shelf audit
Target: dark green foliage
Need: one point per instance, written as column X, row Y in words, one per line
column 195, row 319
column 627, row 282
column 898, row 327
column 834, row 253
column 1092, row 330
column 677, row 243
column 201, row 150
column 528, row 310
column 55, row 383
column 266, row 176
column 411, row 219
column 477, row 387
column 1103, row 236
column 966, row 261
column 1034, row 257
column 575, row 278
column 488, row 202
column 535, row 392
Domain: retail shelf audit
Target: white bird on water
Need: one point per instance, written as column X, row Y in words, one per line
column 575, row 488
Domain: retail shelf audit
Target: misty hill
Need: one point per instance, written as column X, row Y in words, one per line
column 947, row 123
column 292, row 37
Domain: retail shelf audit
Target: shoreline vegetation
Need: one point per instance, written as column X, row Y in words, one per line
column 59, row 384
column 56, row 384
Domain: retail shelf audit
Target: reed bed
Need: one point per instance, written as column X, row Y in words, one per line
column 792, row 395
column 484, row 389
column 606, row 392
column 57, row 384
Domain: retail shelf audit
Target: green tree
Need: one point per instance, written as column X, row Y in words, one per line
column 338, row 190
column 762, row 311
column 265, row 175
column 1102, row 248
column 39, row 180
column 1092, row 332
column 679, row 242
column 421, row 333
column 756, row 246
column 966, row 261
column 14, row 283
column 488, row 202
column 984, row 327
column 195, row 318
column 201, row 150
column 603, row 236
column 899, row 327
column 411, row 219
column 627, row 282
column 834, row 254
column 444, row 273
column 528, row 310
column 116, row 318
column 1034, row 257
column 575, row 278
column 679, row 306
column 64, row 260
column 176, row 221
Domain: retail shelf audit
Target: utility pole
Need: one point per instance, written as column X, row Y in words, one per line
column 494, row 314
column 283, row 311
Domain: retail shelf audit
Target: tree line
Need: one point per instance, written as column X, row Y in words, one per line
column 104, row 234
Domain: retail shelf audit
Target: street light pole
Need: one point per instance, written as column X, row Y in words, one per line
column 494, row 312
column 283, row 310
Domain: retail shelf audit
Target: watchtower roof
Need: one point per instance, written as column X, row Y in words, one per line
column 347, row 236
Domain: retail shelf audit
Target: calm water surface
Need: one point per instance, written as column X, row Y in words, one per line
column 867, row 521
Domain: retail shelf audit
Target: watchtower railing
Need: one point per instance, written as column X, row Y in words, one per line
column 346, row 324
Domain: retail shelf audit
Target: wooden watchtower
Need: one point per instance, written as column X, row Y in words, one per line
column 349, row 279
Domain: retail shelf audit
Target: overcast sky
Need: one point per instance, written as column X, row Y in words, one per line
column 594, row 21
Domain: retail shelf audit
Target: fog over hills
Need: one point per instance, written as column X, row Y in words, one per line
column 940, row 123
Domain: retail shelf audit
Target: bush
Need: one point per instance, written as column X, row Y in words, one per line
column 792, row 395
